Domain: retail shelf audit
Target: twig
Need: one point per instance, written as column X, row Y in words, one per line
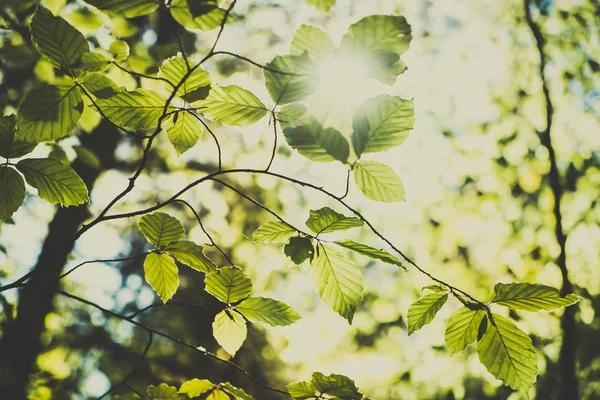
column 98, row 261
column 261, row 66
column 156, row 78
column 170, row 303
column 205, row 125
column 274, row 120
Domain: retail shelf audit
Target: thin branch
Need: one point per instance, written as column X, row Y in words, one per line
column 134, row 369
column 205, row 125
column 156, row 78
column 274, row 120
column 142, row 396
column 347, row 185
column 170, row 303
column 222, row 27
column 173, row 339
column 98, row 261
column 205, row 231
column 261, row 66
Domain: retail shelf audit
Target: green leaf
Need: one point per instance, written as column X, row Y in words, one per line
column 323, row 5
column 285, row 89
column 382, row 123
column 338, row 281
column 162, row 392
column 378, row 182
column 12, row 191
column 161, row 229
column 183, row 131
column 9, row 147
column 228, row 284
column 299, row 249
column 231, row 105
column 56, row 182
column 336, row 385
column 273, row 232
column 205, row 22
column 508, row 354
column 195, row 387
column 138, row 109
column 378, row 254
column 190, row 254
column 162, row 274
column 99, row 85
column 316, row 143
column 196, row 84
column 126, row 8
column 314, row 41
column 119, row 50
column 462, row 328
column 202, row 7
column 48, row 113
column 55, row 38
column 326, row 220
column 270, row 311
column 302, row 390
column 382, row 39
column 218, row 395
column 531, row 297
column 423, row 311
column 293, row 116
column 87, row 157
column 237, row 393
column 92, row 62
column 229, row 328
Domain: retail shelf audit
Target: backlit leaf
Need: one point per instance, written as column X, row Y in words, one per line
column 462, row 328
column 314, row 41
column 232, row 105
column 160, row 229
column 12, row 191
column 531, row 297
column 218, row 395
column 336, row 385
column 338, row 281
column 299, row 249
column 228, row 284
column 237, row 393
column 323, row 5
column 195, row 387
column 326, row 220
column 175, row 69
column 48, row 113
column 285, row 89
column 126, row 8
column 137, row 109
column 318, row 144
column 56, row 182
column 302, row 390
column 162, row 392
column 190, row 254
column 119, row 50
column 270, row 311
column 205, row 22
column 229, row 328
column 100, row 85
column 423, row 311
column 382, row 123
column 162, row 274
column 378, row 182
column 9, row 146
column 273, row 232
column 378, row 254
column 508, row 354
column 183, row 131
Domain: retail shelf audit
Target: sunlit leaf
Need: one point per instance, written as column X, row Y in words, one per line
column 195, row 387
column 232, row 105
column 323, row 5
column 531, row 297
column 9, row 147
column 381, row 39
column 228, row 284
column 57, row 39
column 218, row 395
column 229, row 328
column 338, row 281
column 508, row 354
column 284, row 88
column 314, row 41
column 92, row 62
column 190, row 254
column 48, row 113
column 237, row 393
column 162, row 392
column 423, row 311
column 175, row 69
column 137, row 109
column 325, row 220
column 205, row 21
column 293, row 116
column 126, row 8
column 160, row 229
column 161, row 273
column 273, row 232
column 87, row 157
column 12, row 191
column 336, row 385
column 462, row 328
column 299, row 249
column 378, row 182
column 318, row 144
column 183, row 131
column 119, row 50
column 100, row 85
column 382, row 123
column 378, row 254
column 56, row 182
column 270, row 311
column 302, row 390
